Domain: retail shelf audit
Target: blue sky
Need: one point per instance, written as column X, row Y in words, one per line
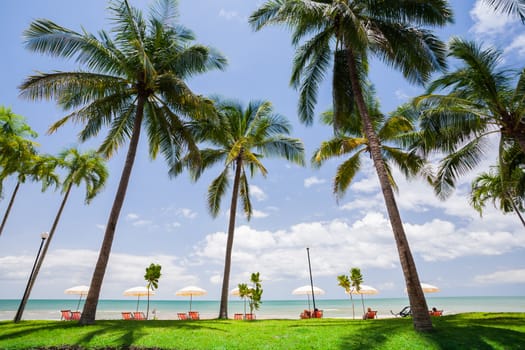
column 165, row 220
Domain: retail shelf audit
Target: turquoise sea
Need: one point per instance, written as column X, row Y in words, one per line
column 270, row 309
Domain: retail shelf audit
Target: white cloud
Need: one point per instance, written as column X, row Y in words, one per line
column 132, row 216
column 517, row 44
column 141, row 223
column 101, row 227
column 187, row 213
column 311, row 181
column 231, row 15
column 486, row 21
column 509, row 276
column 257, row 192
column 259, row 214
column 216, row 279
column 401, row 95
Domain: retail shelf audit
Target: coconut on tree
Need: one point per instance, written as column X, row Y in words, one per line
column 134, row 79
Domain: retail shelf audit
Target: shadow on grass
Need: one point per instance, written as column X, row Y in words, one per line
column 124, row 333
column 450, row 332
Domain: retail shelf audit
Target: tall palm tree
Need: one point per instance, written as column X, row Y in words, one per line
column 242, row 138
column 356, row 279
column 134, row 80
column 88, row 168
column 350, row 31
column 478, row 101
column 511, row 7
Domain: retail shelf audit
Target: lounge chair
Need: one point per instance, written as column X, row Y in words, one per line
column 65, row 315
column 250, row 317
column 317, row 314
column 75, row 315
column 436, row 312
column 194, row 315
column 238, row 317
column 305, row 314
column 127, row 316
column 139, row 315
column 403, row 313
column 182, row 316
column 370, row 315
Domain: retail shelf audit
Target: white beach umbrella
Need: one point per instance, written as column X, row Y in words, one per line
column 235, row 292
column 138, row 292
column 428, row 288
column 307, row 290
column 191, row 291
column 78, row 290
column 363, row 289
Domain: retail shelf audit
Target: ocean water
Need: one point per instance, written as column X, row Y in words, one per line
column 270, row 309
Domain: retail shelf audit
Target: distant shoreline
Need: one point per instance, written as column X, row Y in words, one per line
column 49, row 309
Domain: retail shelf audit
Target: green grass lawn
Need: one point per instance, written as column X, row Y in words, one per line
column 464, row 331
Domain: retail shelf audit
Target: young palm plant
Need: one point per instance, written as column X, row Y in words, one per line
column 350, row 31
column 135, row 79
column 242, row 138
column 478, row 101
column 88, row 168
column 152, row 276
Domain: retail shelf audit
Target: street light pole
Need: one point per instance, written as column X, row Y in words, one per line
column 311, row 280
column 23, row 302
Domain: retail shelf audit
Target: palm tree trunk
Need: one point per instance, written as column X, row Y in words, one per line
column 25, row 298
column 90, row 306
column 418, row 304
column 516, row 210
column 9, row 206
column 223, row 311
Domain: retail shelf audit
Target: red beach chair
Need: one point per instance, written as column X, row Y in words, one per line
column 194, row 315
column 66, row 315
column 127, row 316
column 75, row 315
column 139, row 315
column 182, row 316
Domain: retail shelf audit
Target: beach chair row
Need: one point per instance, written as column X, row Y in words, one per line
column 68, row 315
column 192, row 315
column 137, row 315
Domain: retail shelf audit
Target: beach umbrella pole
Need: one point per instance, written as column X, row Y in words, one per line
column 190, row 300
column 78, row 305
column 138, row 298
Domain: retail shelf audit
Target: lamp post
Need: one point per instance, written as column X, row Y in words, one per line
column 23, row 302
column 311, row 279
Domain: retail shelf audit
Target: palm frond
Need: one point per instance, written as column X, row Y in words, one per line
column 216, row 191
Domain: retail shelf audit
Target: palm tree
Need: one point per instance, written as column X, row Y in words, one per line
column 349, row 31
column 344, row 281
column 152, row 277
column 88, row 168
column 504, row 183
column 20, row 158
column 478, row 102
column 511, row 7
column 133, row 80
column 356, row 279
column 242, row 137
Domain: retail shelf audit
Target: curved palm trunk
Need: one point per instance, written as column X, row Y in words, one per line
column 147, row 309
column 90, row 306
column 223, row 311
column 418, row 304
column 353, row 308
column 9, row 206
column 516, row 210
column 25, row 298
